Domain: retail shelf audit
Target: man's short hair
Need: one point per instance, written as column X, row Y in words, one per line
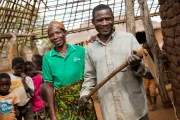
column 17, row 60
column 101, row 7
column 5, row 75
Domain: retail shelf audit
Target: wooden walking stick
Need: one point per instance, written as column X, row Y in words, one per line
column 118, row 69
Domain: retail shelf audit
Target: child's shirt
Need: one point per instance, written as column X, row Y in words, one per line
column 37, row 102
column 7, row 106
column 18, row 88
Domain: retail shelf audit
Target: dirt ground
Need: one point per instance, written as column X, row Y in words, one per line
column 161, row 113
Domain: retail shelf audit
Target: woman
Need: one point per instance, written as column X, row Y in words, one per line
column 63, row 69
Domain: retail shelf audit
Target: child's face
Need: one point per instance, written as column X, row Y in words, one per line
column 30, row 70
column 5, row 84
column 19, row 68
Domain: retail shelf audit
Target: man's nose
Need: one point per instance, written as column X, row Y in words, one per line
column 104, row 22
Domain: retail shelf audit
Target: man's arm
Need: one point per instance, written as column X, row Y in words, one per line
column 136, row 65
column 50, row 99
column 89, row 79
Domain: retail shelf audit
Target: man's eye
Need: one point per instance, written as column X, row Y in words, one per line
column 99, row 20
column 108, row 19
column 50, row 35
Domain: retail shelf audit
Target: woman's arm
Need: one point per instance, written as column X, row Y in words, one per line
column 50, row 99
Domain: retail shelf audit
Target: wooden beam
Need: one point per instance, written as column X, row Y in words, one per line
column 130, row 19
column 9, row 35
column 17, row 11
column 5, row 35
column 88, row 28
column 154, row 47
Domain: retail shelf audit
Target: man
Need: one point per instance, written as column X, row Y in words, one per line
column 63, row 69
column 123, row 97
column 149, row 83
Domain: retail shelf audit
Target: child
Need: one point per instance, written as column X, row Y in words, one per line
column 37, row 102
column 8, row 100
column 37, row 62
column 23, row 86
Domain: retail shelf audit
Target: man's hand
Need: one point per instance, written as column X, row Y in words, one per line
column 92, row 39
column 83, row 101
column 133, row 60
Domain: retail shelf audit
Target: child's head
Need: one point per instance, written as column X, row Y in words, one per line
column 37, row 61
column 29, row 69
column 5, row 83
column 18, row 65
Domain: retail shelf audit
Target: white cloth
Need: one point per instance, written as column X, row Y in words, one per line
column 17, row 87
column 123, row 97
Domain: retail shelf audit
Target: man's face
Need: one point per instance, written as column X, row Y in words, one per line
column 103, row 21
column 18, row 69
column 57, row 36
column 30, row 70
column 5, row 84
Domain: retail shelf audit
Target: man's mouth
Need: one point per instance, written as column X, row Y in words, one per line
column 57, row 42
column 105, row 29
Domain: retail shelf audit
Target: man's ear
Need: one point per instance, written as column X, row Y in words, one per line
column 92, row 21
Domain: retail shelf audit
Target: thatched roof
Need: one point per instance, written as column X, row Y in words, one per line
column 33, row 16
column 85, row 35
column 29, row 19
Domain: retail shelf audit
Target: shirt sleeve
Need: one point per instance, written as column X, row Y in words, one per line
column 136, row 46
column 46, row 71
column 134, row 43
column 37, row 80
column 30, row 83
column 89, row 76
column 15, row 100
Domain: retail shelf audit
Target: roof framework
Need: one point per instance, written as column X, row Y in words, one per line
column 33, row 16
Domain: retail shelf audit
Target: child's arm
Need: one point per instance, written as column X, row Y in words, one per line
column 16, row 110
column 28, row 90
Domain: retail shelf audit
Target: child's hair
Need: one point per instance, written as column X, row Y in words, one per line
column 17, row 60
column 37, row 57
column 38, row 60
column 5, row 75
column 28, row 63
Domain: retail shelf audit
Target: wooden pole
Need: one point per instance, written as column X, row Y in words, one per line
column 130, row 19
column 154, row 47
column 12, row 47
column 9, row 35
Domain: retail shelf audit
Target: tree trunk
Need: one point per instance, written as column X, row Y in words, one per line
column 152, row 43
column 130, row 19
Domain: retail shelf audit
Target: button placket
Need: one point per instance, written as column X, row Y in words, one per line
column 113, row 81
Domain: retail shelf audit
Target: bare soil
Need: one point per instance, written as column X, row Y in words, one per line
column 161, row 113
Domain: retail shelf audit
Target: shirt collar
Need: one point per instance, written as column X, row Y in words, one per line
column 109, row 39
column 70, row 50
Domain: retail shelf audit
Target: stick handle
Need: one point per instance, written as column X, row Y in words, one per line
column 118, row 69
